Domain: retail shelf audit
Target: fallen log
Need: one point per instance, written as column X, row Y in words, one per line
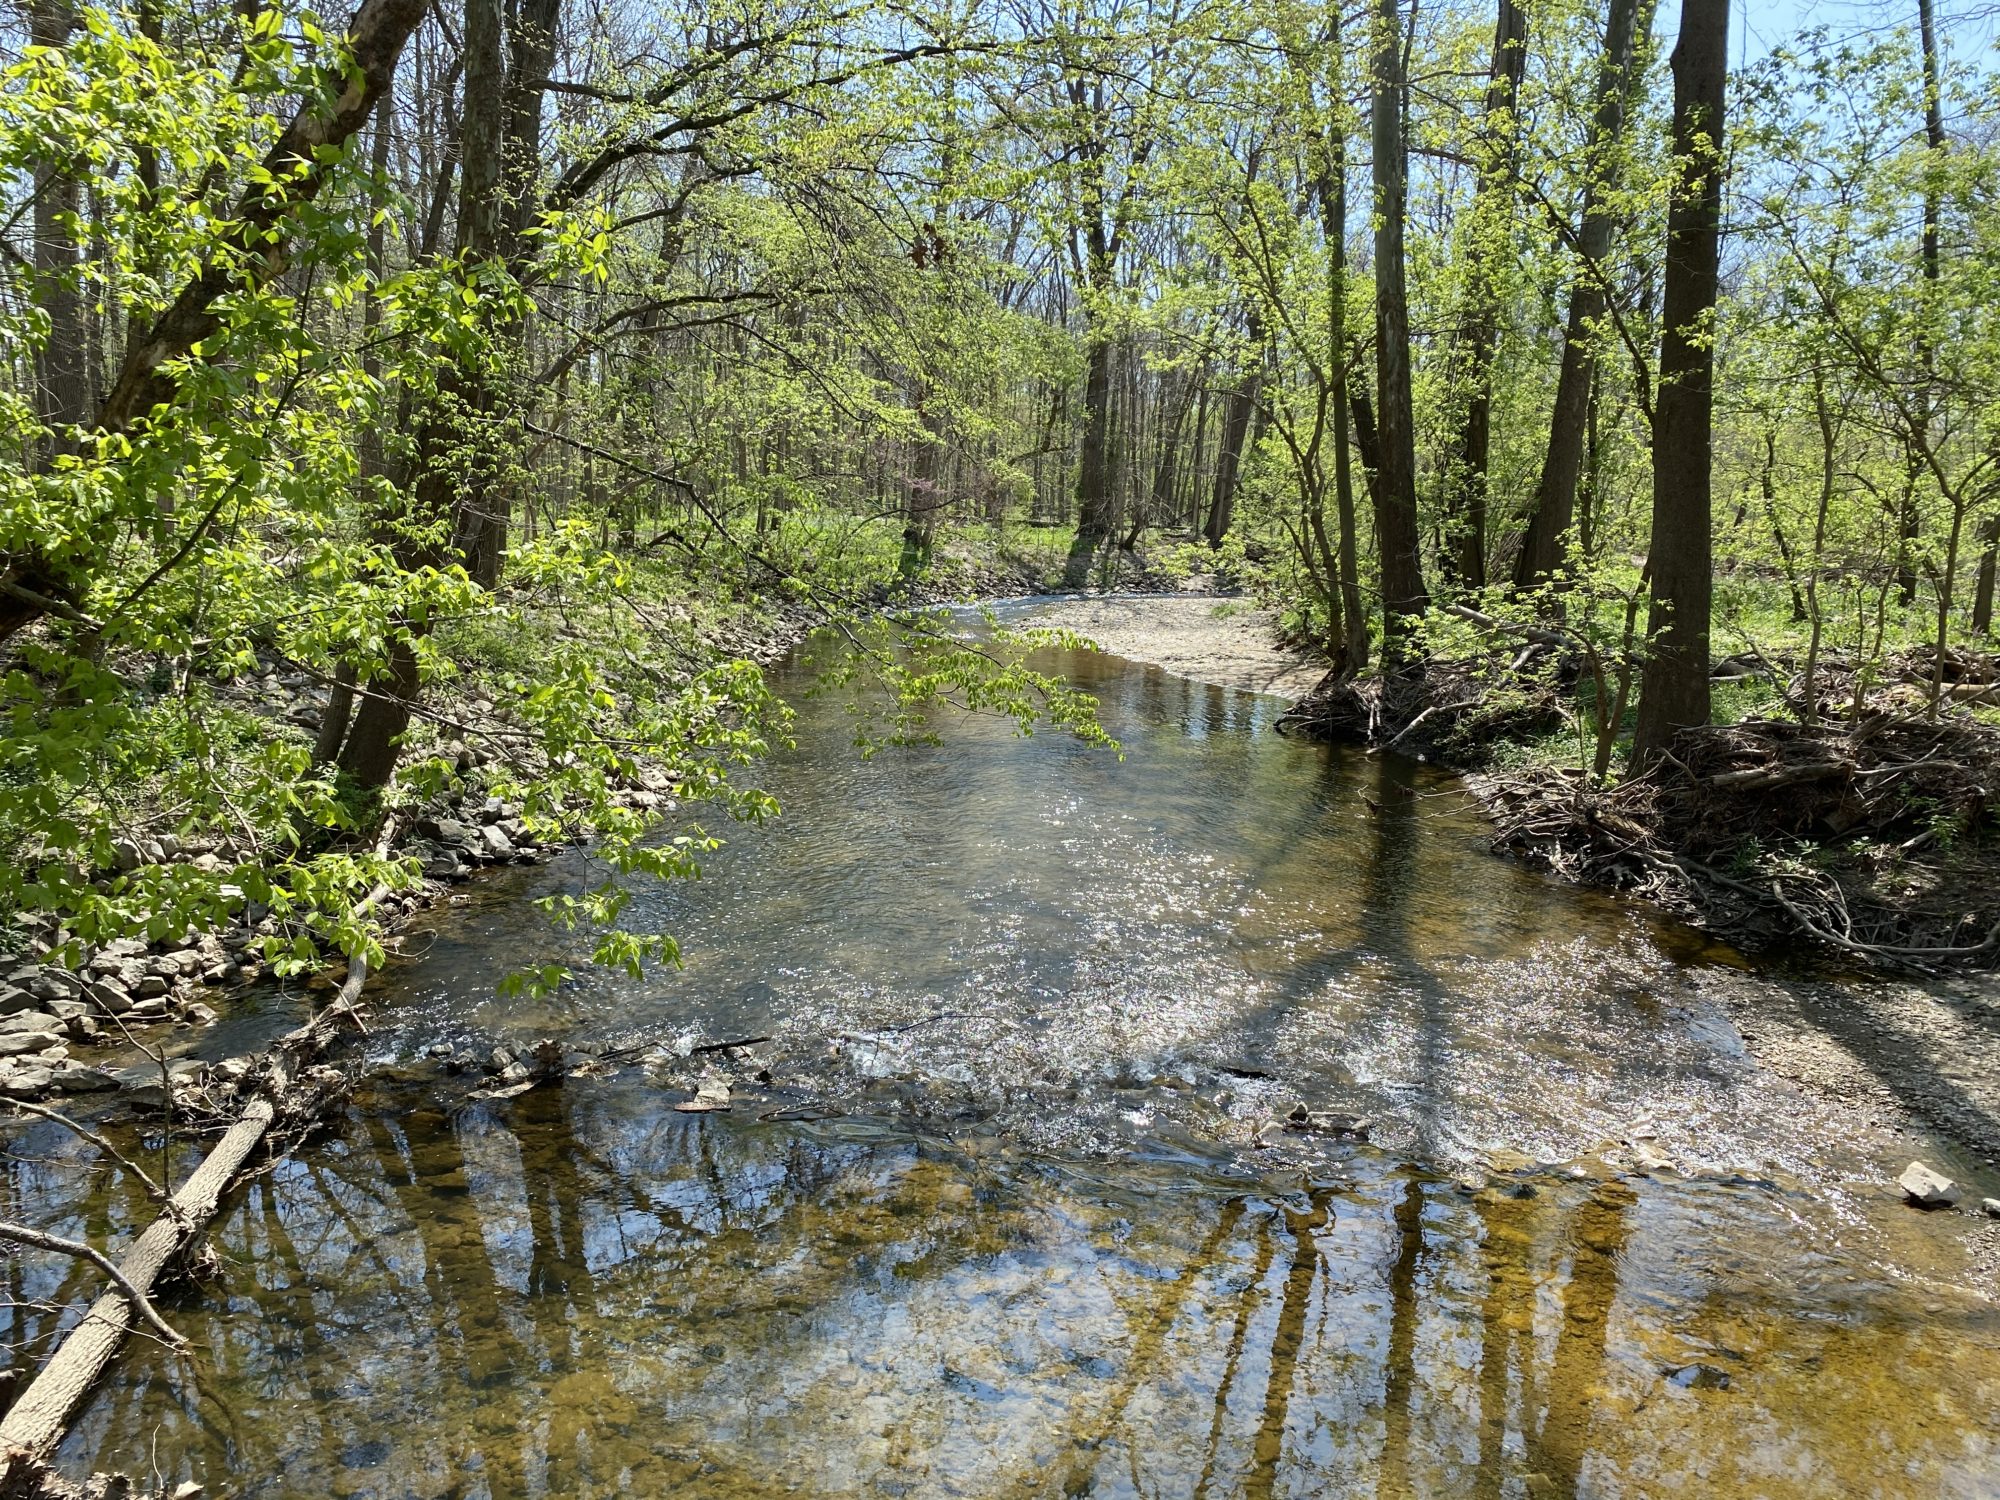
column 36, row 1424
column 37, row 1421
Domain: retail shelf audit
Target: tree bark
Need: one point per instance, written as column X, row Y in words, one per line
column 1989, row 565
column 1562, row 463
column 60, row 376
column 1093, row 478
column 1911, row 522
column 1352, row 655
column 1492, row 212
column 1403, row 595
column 454, row 489
column 1236, row 433
column 1674, row 690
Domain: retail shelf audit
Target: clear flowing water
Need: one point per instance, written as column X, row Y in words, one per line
column 1013, row 1214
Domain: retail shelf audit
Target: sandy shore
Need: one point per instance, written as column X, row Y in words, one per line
column 1207, row 637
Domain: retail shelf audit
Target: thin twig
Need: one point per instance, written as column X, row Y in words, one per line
column 22, row 1234
column 152, row 1187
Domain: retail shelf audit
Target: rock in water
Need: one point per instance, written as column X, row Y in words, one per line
column 1926, row 1188
column 712, row 1095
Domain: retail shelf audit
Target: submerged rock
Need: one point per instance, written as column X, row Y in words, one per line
column 1927, row 1188
column 1699, row 1377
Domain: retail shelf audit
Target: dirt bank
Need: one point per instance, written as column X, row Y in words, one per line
column 1212, row 638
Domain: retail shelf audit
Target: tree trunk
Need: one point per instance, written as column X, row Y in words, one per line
column 1674, row 690
column 453, row 490
column 1235, row 434
column 31, row 583
column 1093, row 477
column 1403, row 596
column 531, row 53
column 1911, row 522
column 1562, row 463
column 1351, row 654
column 60, row 375
column 1989, row 565
column 1492, row 214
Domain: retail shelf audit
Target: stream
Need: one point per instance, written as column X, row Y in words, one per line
column 1015, row 1213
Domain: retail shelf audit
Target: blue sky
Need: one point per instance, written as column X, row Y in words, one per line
column 1757, row 24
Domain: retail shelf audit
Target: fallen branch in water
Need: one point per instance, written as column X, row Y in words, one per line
column 287, row 1097
column 36, row 1423
column 21, row 1234
column 153, row 1189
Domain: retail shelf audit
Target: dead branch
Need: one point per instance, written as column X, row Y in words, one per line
column 21, row 1234
column 153, row 1189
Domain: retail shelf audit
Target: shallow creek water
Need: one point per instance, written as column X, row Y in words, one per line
column 1000, row 1224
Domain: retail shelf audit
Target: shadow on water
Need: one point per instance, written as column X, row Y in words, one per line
column 1049, row 1002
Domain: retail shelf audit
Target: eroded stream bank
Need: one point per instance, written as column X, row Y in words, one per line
column 1016, row 1214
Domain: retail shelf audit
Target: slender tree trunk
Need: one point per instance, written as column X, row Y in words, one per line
column 1829, row 447
column 1989, row 565
column 1768, row 490
column 1911, row 522
column 1562, row 463
column 1492, row 215
column 60, row 376
column 1235, row 434
column 1403, row 595
column 1197, row 455
column 1352, row 654
column 1674, row 690
column 531, row 49
column 372, row 453
column 1366, row 442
